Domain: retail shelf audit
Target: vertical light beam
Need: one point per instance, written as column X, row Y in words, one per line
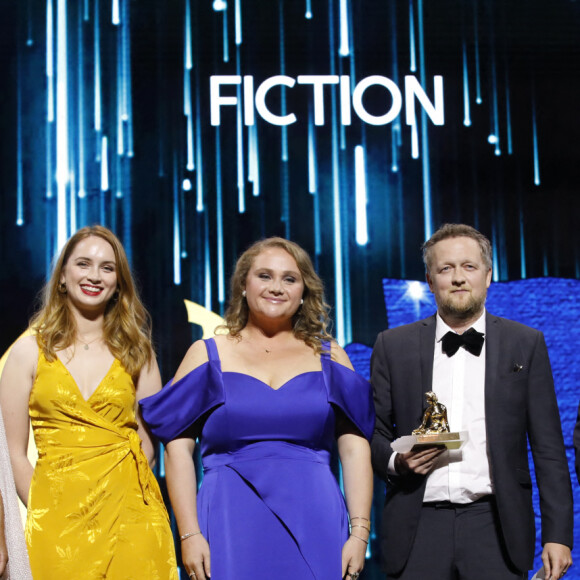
column 62, row 136
column 361, row 234
column 412, row 55
column 344, row 49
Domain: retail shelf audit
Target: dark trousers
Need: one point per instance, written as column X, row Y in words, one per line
column 459, row 542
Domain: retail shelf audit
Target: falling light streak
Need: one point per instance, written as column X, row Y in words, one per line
column 413, row 57
column 120, row 82
column 494, row 253
column 238, row 22
column 188, row 41
column 98, row 108
column 72, row 214
column 494, row 138
column 50, row 60
column 207, row 265
column 81, row 192
column 361, row 198
column 86, row 10
column 219, row 223
column 29, row 34
column 127, row 80
column 118, row 177
column 312, row 161
column 104, row 164
column 182, row 215
column 254, row 160
column 199, row 205
column 396, row 125
column 161, row 460
column 523, row 273
column 308, row 13
column 427, row 211
column 284, row 131
column 466, row 106
column 313, row 181
column 62, row 137
column 190, row 152
column 284, row 185
column 176, row 229
column 240, row 143
column 478, row 99
column 115, row 13
column 537, row 180
column 19, row 160
column 508, row 114
column 49, row 160
column 414, row 141
column 344, row 48
column 336, row 201
column 317, row 228
column 226, row 42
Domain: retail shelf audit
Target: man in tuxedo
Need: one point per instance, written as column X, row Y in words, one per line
column 467, row 514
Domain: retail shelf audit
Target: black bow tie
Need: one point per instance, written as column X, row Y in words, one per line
column 470, row 339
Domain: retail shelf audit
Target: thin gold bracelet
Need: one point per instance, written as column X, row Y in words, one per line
column 360, row 518
column 355, row 536
column 185, row 536
column 360, row 526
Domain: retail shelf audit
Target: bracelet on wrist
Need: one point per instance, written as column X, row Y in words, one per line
column 189, row 535
column 359, row 538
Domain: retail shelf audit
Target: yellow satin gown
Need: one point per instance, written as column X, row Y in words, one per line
column 95, row 510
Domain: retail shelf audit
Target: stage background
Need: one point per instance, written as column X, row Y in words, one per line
column 105, row 117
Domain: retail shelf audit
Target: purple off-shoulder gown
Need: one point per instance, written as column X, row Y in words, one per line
column 269, row 505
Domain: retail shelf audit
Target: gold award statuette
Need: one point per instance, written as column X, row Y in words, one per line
column 434, row 429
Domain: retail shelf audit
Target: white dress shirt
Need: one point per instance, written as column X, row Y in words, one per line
column 462, row 475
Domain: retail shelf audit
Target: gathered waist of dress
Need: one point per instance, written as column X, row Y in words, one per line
column 264, row 450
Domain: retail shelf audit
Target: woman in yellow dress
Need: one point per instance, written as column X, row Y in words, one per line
column 94, row 506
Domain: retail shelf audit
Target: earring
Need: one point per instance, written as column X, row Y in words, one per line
column 244, row 293
column 62, row 288
column 301, row 301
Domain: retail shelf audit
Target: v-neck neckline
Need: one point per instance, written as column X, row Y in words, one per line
column 86, row 400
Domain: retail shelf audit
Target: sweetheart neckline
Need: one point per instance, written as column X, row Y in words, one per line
column 265, row 383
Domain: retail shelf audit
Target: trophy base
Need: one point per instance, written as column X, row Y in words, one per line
column 454, row 440
column 450, row 440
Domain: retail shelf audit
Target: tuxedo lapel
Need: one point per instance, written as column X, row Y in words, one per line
column 492, row 364
column 427, row 351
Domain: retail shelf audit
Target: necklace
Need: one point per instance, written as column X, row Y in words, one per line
column 86, row 344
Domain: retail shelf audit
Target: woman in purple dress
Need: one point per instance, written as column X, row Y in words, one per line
column 267, row 399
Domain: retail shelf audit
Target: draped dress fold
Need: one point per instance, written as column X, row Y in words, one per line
column 269, row 504
column 95, row 510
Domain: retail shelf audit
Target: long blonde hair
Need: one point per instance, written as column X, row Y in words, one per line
column 311, row 321
column 127, row 324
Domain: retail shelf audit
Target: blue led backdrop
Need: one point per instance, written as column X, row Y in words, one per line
column 354, row 127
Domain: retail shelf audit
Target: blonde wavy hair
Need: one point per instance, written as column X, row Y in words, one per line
column 127, row 324
column 311, row 321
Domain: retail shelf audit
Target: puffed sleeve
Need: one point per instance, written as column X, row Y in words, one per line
column 352, row 394
column 178, row 406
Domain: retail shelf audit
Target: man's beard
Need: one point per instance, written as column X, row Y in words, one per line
column 464, row 310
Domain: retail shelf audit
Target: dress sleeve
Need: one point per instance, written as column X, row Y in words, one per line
column 352, row 394
column 178, row 406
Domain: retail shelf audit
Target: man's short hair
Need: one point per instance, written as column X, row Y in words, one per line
column 456, row 231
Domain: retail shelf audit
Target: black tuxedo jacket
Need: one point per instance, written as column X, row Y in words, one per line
column 520, row 404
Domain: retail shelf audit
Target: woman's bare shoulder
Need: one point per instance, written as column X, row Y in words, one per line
column 338, row 355
column 194, row 357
